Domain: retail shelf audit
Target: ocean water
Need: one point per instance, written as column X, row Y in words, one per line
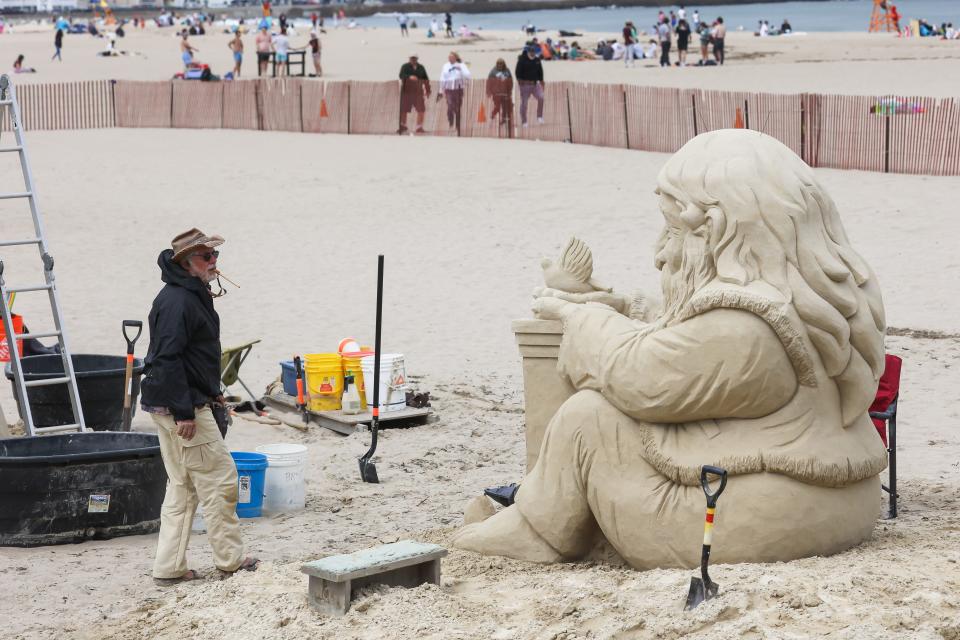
column 832, row 15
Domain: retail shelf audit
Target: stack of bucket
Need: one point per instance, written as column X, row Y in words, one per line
column 284, row 489
column 393, row 381
column 325, row 373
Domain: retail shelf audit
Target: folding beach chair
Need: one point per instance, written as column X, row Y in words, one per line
column 230, row 362
column 883, row 411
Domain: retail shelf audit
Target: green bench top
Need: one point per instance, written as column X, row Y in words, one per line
column 343, row 567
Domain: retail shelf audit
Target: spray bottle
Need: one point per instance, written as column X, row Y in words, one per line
column 350, row 402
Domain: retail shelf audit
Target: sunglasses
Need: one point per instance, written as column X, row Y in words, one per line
column 206, row 256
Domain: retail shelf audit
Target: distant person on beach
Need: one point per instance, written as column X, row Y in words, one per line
column 282, row 49
column 264, row 49
column 529, row 74
column 696, row 17
column 19, row 68
column 681, row 14
column 186, row 50
column 683, row 41
column 663, row 31
column 500, row 90
column 530, row 30
column 453, row 80
column 448, row 24
column 404, row 31
column 57, row 45
column 786, row 28
column 704, row 32
column 315, row 50
column 236, row 46
column 414, row 88
column 629, row 39
column 719, row 34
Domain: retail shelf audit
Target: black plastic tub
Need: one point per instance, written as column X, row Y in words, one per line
column 80, row 486
column 99, row 382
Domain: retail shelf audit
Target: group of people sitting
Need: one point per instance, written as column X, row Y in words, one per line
column 945, row 31
column 561, row 50
column 764, row 29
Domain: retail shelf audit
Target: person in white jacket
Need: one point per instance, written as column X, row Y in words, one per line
column 453, row 79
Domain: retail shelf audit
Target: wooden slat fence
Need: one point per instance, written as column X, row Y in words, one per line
column 920, row 135
column 143, row 104
column 197, row 105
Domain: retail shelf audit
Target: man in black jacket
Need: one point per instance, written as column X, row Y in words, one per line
column 529, row 75
column 181, row 383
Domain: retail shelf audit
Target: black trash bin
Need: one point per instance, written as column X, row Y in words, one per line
column 73, row 487
column 99, row 382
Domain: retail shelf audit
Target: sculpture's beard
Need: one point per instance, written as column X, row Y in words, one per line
column 696, row 270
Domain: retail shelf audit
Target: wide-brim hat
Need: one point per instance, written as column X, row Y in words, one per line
column 192, row 239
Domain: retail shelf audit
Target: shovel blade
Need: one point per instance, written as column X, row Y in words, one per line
column 700, row 592
column 368, row 472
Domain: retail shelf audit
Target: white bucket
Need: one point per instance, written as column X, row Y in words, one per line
column 393, row 381
column 284, row 489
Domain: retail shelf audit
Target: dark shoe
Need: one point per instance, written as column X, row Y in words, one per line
column 503, row 495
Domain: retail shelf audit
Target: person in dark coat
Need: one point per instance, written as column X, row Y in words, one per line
column 529, row 75
column 181, row 390
column 414, row 87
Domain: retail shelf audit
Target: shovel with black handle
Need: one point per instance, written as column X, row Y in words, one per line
column 127, row 417
column 368, row 470
column 703, row 588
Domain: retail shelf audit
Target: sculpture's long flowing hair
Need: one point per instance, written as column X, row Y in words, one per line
column 756, row 212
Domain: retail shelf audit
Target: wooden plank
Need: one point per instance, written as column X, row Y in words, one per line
column 348, row 424
column 366, row 562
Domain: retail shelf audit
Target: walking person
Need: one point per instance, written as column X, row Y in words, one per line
column 402, row 19
column 186, row 50
column 500, row 90
column 683, row 41
column 448, row 25
column 414, row 88
column 529, row 74
column 57, row 45
column 236, row 46
column 719, row 34
column 264, row 49
column 315, row 50
column 453, row 80
column 181, row 391
column 663, row 30
column 629, row 40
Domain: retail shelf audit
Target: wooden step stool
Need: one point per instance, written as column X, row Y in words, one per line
column 335, row 580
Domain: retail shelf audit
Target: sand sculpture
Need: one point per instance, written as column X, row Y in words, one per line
column 762, row 360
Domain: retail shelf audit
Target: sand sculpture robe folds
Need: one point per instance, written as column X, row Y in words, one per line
column 735, row 383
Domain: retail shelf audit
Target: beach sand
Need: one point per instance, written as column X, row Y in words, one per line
column 463, row 224
column 841, row 63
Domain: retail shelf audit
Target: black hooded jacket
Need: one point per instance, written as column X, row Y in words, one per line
column 182, row 368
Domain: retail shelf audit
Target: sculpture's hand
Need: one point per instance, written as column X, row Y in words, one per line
column 549, row 308
column 617, row 301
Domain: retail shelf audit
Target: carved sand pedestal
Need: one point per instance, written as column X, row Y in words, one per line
column 335, row 580
column 544, row 389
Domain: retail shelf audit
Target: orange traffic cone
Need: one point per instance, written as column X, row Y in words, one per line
column 481, row 115
column 738, row 121
column 323, row 108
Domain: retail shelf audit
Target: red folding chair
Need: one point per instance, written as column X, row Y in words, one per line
column 883, row 411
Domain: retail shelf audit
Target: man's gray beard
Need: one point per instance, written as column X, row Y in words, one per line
column 696, row 270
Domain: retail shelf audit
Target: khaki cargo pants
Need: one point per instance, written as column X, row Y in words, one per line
column 199, row 470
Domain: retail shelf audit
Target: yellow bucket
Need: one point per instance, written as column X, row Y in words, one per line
column 324, row 381
column 351, row 367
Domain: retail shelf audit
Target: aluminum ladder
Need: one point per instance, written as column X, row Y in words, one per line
column 10, row 106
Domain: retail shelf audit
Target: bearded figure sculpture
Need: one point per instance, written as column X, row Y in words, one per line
column 763, row 360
